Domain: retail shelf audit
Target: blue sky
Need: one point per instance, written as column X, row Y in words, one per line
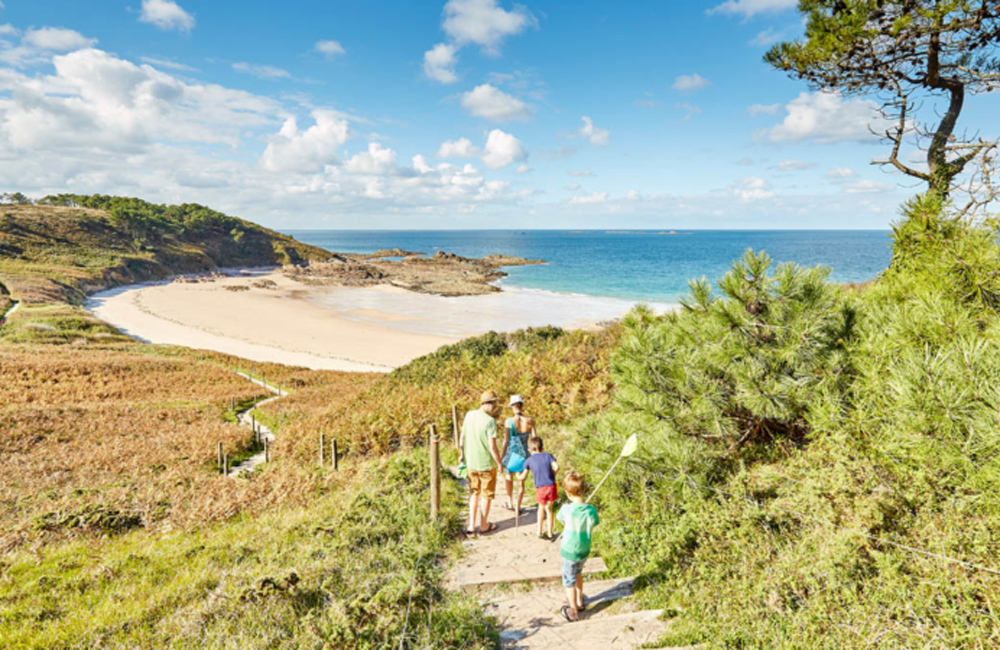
column 439, row 114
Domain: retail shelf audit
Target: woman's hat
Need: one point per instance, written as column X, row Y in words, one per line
column 516, row 399
column 489, row 397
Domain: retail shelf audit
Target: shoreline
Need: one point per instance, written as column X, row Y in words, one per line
column 261, row 315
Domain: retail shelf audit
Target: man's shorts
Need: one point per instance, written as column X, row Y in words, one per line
column 546, row 494
column 570, row 571
column 485, row 483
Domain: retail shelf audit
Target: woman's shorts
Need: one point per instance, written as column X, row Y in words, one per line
column 570, row 571
column 546, row 494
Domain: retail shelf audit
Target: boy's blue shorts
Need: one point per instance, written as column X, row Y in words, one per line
column 570, row 571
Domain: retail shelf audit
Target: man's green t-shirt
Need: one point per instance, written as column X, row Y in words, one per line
column 477, row 429
column 578, row 521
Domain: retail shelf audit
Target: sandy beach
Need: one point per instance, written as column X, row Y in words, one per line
column 264, row 316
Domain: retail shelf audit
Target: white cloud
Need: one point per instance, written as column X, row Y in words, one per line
column 647, row 103
column 594, row 135
column 439, row 63
column 309, row 150
column 99, row 123
column 580, row 173
column 523, row 168
column 56, row 39
column 867, row 187
column 588, row 199
column 827, row 117
column 262, row 71
column 420, row 164
column 98, row 102
column 502, row 149
column 690, row 110
column 330, row 48
column 751, row 189
column 168, row 64
column 9, row 30
column 39, row 45
column 166, row 14
column 461, row 148
column 795, row 165
column 633, row 195
column 377, row 161
column 840, row 174
column 491, row 103
column 473, row 22
column 748, row 8
column 491, row 190
column 691, row 82
column 483, row 23
column 770, row 36
column 764, row 109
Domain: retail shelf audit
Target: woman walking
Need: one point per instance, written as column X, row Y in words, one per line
column 519, row 427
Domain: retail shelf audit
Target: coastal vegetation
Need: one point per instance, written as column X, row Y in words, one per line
column 816, row 465
column 564, row 374
column 70, row 245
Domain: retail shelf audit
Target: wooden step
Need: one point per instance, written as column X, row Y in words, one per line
column 471, row 579
column 620, row 632
column 527, row 609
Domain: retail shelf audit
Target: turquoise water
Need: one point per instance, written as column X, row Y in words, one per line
column 630, row 265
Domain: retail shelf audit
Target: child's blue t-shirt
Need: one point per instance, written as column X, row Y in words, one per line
column 540, row 465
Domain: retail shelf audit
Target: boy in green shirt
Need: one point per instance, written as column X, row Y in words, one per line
column 578, row 519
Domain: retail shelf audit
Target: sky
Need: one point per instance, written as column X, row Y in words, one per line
column 427, row 114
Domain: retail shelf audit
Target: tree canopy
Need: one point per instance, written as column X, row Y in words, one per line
column 905, row 51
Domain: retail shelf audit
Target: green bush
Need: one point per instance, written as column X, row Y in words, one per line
column 793, row 435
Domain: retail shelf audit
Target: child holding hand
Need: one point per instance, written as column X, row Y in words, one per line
column 543, row 468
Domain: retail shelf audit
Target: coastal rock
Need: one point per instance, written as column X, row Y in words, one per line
column 442, row 274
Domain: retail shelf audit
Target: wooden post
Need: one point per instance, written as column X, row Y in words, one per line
column 232, row 404
column 220, row 455
column 435, row 475
column 253, row 422
column 334, row 454
column 322, row 447
column 454, row 424
column 225, row 465
column 267, row 451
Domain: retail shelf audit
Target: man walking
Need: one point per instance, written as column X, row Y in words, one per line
column 478, row 444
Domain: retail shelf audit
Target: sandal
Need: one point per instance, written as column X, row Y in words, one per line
column 488, row 529
column 469, row 534
column 567, row 614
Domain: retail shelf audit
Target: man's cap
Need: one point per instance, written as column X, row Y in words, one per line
column 488, row 397
column 516, row 399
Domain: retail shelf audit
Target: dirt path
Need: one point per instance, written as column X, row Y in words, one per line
column 247, row 419
column 518, row 578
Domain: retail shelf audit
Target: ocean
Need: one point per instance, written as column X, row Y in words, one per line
column 653, row 266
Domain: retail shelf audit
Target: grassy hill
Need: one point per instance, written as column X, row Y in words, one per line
column 69, row 245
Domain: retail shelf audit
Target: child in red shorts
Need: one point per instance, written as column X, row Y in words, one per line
column 543, row 468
